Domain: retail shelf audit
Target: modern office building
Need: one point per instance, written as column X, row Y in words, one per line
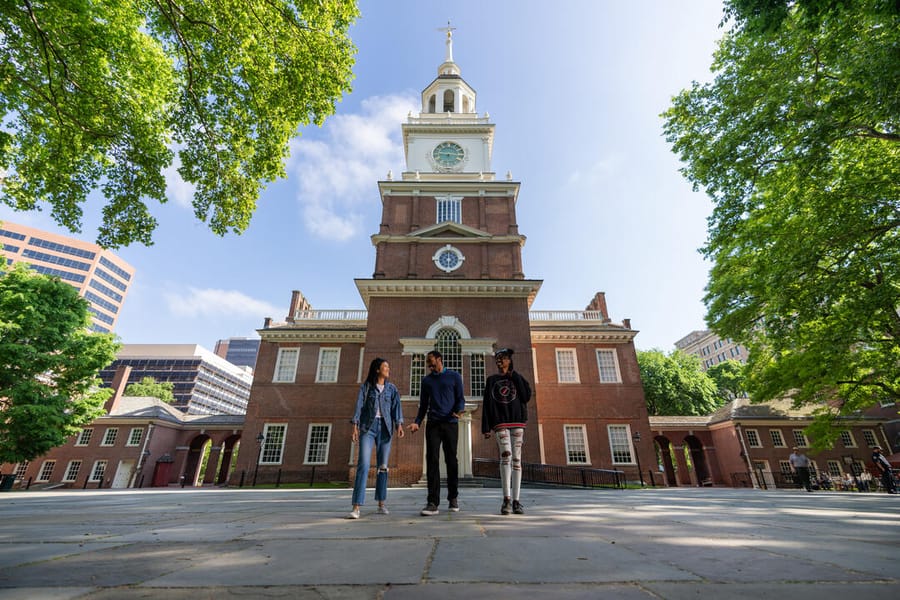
column 448, row 275
column 240, row 351
column 101, row 277
column 710, row 348
column 204, row 383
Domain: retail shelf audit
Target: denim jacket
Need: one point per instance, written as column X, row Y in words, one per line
column 391, row 412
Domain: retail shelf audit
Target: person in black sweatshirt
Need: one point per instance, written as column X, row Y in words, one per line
column 504, row 414
column 442, row 399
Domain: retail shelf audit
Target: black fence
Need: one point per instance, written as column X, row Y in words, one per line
column 554, row 474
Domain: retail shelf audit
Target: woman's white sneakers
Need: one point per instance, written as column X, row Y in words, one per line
column 354, row 514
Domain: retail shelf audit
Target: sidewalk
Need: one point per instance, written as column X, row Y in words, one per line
column 570, row 544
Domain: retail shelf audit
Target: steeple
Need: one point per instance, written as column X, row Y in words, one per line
column 449, row 93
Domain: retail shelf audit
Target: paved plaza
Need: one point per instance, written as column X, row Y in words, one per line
column 631, row 544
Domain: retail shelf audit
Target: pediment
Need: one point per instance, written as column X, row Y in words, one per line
column 448, row 229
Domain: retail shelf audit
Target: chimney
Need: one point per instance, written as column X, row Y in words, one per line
column 119, row 383
column 599, row 303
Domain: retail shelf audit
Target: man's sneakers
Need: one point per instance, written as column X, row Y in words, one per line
column 517, row 508
column 354, row 514
column 430, row 510
column 506, row 508
column 454, row 505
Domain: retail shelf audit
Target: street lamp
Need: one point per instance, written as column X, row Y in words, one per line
column 636, row 437
column 259, row 442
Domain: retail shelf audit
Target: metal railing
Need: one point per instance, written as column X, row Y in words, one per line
column 554, row 474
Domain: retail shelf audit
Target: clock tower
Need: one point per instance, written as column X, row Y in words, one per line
column 448, row 254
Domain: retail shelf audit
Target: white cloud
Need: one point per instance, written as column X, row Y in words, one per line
column 178, row 189
column 335, row 175
column 209, row 302
column 603, row 169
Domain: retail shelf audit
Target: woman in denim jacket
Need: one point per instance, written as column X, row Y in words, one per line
column 378, row 415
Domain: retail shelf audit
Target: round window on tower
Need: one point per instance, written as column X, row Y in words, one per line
column 448, row 259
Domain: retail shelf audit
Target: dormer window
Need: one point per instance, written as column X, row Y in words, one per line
column 448, row 101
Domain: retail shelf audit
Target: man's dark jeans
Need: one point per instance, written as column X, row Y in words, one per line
column 437, row 435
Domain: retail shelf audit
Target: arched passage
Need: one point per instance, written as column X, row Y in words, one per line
column 664, row 457
column 194, row 459
column 698, row 458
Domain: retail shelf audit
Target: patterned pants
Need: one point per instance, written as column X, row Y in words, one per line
column 509, row 442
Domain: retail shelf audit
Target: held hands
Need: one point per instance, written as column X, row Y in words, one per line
column 413, row 427
column 400, row 432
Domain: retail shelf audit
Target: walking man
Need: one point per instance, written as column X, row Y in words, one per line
column 800, row 467
column 884, row 467
column 504, row 414
column 442, row 400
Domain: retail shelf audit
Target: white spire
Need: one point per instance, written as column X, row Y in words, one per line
column 448, row 57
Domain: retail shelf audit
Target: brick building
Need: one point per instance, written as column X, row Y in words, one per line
column 448, row 274
column 140, row 442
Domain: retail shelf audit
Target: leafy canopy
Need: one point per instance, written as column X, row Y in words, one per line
column 674, row 384
column 148, row 386
column 797, row 141
column 729, row 379
column 95, row 94
column 49, row 362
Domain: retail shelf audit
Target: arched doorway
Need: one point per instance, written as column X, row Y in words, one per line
column 698, row 459
column 664, row 458
column 194, row 459
column 230, row 446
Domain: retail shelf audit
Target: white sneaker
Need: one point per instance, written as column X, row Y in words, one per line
column 382, row 510
column 354, row 514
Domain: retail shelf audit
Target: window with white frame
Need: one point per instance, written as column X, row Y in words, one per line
column 566, row 365
column 72, row 470
column 869, row 436
column 135, row 437
column 20, row 469
column 777, row 438
column 576, row 445
column 620, row 444
column 286, row 365
column 785, row 467
column 317, row 444
column 46, row 470
column 834, row 468
column 416, row 373
column 608, row 365
column 109, row 438
column 476, row 375
column 329, row 358
column 847, row 439
column 800, row 438
column 753, row 438
column 273, row 444
column 98, row 471
column 84, row 438
column 857, row 468
column 446, row 341
column 449, row 208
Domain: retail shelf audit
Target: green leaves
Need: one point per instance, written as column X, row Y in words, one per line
column 95, row 95
column 674, row 384
column 48, row 364
column 148, row 386
column 797, row 141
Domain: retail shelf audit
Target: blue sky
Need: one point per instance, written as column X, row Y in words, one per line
column 575, row 89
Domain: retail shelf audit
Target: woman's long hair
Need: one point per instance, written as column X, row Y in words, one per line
column 372, row 377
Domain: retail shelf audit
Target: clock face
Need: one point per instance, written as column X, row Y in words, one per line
column 448, row 258
column 448, row 154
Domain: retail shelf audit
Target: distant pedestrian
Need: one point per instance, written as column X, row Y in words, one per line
column 504, row 413
column 883, row 466
column 377, row 416
column 442, row 400
column 800, row 467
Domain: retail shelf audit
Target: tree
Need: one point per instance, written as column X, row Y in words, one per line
column 148, row 386
column 797, row 141
column 675, row 384
column 49, row 362
column 100, row 94
column 729, row 379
